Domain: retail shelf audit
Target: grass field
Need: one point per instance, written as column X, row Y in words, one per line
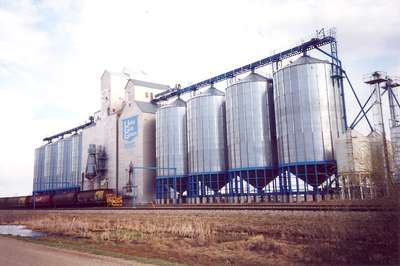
column 225, row 237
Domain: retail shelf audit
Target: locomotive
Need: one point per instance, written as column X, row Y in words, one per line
column 88, row 198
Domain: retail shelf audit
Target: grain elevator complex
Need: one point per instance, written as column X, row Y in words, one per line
column 274, row 130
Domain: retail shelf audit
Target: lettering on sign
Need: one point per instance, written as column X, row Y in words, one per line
column 130, row 130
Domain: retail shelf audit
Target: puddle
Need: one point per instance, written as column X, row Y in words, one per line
column 18, row 230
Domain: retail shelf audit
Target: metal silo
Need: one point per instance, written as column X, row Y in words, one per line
column 248, row 126
column 63, row 163
column 76, row 159
column 50, row 166
column 395, row 135
column 206, row 132
column 307, row 111
column 38, row 183
column 171, row 142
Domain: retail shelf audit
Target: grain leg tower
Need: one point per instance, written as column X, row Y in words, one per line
column 124, row 136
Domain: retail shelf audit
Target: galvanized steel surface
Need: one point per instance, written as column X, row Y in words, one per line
column 354, row 153
column 307, row 111
column 50, row 165
column 171, row 139
column 206, row 132
column 247, row 119
column 64, row 165
column 38, row 174
column 58, row 164
column 76, row 158
column 395, row 137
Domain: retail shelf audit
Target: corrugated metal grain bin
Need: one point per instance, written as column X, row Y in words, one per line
column 63, row 164
column 76, row 158
column 353, row 153
column 380, row 170
column 395, row 136
column 377, row 154
column 307, row 110
column 38, row 174
column 248, row 123
column 50, row 166
column 207, row 150
column 171, row 139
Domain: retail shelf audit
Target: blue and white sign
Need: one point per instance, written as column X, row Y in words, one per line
column 130, row 129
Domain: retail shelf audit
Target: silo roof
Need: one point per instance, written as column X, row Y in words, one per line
column 146, row 107
column 213, row 91
column 178, row 102
column 253, row 77
column 306, row 59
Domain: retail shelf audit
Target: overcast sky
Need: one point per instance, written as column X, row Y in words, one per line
column 52, row 54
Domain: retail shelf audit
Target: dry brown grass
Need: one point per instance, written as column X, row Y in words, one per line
column 230, row 237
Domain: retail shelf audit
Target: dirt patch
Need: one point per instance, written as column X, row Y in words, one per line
column 226, row 237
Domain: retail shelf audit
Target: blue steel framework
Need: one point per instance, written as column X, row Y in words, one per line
column 253, row 181
column 233, row 183
column 269, row 183
column 55, row 186
column 171, row 188
column 320, row 175
column 203, row 185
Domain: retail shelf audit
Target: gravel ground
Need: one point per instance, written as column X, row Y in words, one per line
column 17, row 252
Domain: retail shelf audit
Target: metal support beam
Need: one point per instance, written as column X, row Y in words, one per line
column 356, row 121
column 358, row 101
column 307, row 46
column 70, row 131
column 395, row 98
column 361, row 111
column 392, row 107
column 337, row 74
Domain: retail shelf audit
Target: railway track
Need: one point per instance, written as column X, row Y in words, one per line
column 251, row 207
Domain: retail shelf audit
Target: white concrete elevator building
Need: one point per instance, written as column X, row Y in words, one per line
column 122, row 139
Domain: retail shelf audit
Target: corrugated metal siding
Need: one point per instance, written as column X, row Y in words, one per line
column 207, row 149
column 307, row 115
column 248, row 123
column 395, row 135
column 171, row 139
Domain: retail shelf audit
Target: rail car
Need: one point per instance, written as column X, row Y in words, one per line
column 88, row 198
